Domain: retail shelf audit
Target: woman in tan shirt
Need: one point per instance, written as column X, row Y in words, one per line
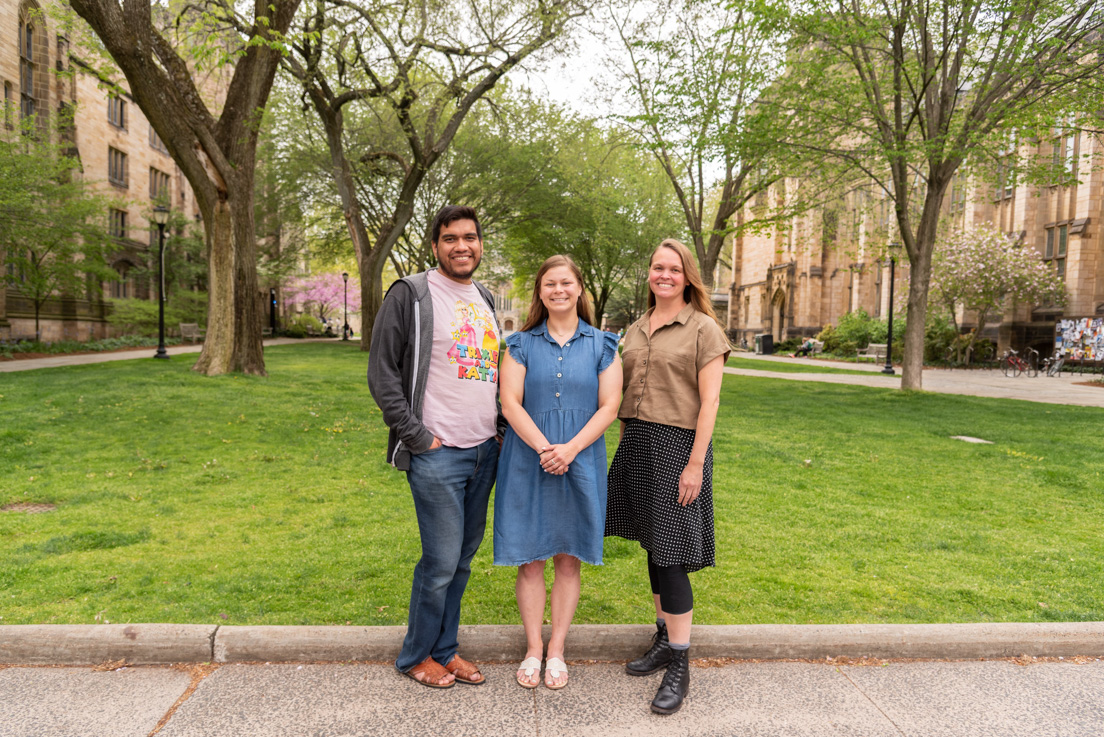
column 661, row 479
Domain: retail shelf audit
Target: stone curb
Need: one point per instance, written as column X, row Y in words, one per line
column 48, row 644
column 176, row 643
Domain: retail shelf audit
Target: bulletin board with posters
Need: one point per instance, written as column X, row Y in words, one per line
column 1080, row 338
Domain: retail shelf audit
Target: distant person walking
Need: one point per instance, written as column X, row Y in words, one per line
column 438, row 391
column 661, row 479
column 561, row 383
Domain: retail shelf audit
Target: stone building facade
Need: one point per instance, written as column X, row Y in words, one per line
column 832, row 260
column 118, row 150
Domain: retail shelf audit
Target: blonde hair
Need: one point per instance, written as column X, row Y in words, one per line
column 695, row 292
column 538, row 313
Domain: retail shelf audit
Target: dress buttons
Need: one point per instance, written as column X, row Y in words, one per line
column 557, row 394
column 642, row 381
column 566, row 345
column 559, row 376
column 560, row 358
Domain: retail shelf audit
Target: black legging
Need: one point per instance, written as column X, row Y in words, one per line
column 672, row 583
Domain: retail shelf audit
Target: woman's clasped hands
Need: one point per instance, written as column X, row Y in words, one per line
column 556, row 459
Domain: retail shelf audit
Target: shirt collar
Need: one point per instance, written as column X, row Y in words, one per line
column 683, row 315
column 584, row 328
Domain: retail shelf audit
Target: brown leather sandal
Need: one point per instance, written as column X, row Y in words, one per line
column 429, row 673
column 464, row 671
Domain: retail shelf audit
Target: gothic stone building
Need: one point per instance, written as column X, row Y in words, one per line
column 118, row 151
column 793, row 281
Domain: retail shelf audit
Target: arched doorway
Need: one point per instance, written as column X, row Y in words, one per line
column 778, row 316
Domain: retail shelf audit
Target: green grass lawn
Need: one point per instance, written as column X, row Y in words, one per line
column 811, row 366
column 268, row 500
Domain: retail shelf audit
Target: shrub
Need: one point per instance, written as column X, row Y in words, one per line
column 295, row 331
column 858, row 330
column 789, row 345
column 308, row 323
column 140, row 316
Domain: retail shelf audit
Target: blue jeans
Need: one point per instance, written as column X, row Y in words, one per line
column 451, row 487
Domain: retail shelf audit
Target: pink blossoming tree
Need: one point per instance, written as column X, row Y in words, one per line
column 324, row 294
column 982, row 269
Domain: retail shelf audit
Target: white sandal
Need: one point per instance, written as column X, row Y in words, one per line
column 530, row 666
column 554, row 667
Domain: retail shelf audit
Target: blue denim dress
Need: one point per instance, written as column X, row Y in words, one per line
column 538, row 515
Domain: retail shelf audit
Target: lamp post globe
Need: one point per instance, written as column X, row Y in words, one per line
column 345, row 330
column 161, row 218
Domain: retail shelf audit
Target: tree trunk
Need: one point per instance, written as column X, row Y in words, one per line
column 233, row 340
column 216, row 155
column 371, row 293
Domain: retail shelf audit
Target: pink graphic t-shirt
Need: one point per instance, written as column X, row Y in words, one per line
column 460, row 405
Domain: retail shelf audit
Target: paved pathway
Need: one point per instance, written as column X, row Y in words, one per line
column 917, row 699
column 1064, row 389
column 31, row 364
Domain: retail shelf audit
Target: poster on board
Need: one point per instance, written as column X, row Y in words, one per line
column 1080, row 339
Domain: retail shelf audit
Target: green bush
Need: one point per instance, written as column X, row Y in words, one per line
column 939, row 336
column 140, row 316
column 295, row 331
column 858, row 330
column 308, row 323
column 789, row 345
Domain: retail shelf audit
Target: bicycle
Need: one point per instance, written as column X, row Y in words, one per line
column 1053, row 366
column 1013, row 364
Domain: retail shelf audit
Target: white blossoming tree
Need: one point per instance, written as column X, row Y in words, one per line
column 982, row 269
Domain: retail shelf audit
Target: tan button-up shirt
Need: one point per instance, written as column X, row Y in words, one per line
column 661, row 369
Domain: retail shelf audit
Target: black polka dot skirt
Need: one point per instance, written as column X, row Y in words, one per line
column 643, row 496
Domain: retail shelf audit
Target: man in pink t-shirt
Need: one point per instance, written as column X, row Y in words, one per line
column 433, row 371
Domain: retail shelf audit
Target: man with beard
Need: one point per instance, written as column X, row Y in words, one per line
column 436, row 381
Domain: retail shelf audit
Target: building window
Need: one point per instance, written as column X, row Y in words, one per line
column 156, row 142
column 26, row 68
column 8, row 105
column 1006, row 178
column 116, row 111
column 1057, row 239
column 159, row 185
column 119, row 223
column 958, row 195
column 62, row 53
column 829, row 226
column 117, row 167
column 121, row 288
column 1063, row 156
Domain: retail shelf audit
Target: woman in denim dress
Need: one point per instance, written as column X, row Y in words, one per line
column 560, row 384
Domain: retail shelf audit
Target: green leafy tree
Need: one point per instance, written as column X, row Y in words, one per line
column 53, row 227
column 908, row 91
column 605, row 203
column 416, row 68
column 173, row 58
column 690, row 74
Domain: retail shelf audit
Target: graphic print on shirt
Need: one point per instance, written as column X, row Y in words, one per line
column 474, row 349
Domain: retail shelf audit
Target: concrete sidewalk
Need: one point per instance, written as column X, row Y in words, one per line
column 877, row 699
column 320, row 681
column 1064, row 389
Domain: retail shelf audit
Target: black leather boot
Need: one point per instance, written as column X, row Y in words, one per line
column 675, row 686
column 657, row 657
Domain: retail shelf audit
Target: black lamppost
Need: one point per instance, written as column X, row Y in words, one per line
column 893, row 249
column 345, row 330
column 161, row 217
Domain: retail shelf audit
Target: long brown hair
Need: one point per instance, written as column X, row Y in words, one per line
column 538, row 313
column 695, row 292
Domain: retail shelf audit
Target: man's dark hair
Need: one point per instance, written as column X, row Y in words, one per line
column 450, row 214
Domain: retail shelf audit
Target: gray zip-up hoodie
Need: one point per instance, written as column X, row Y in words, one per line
column 398, row 365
